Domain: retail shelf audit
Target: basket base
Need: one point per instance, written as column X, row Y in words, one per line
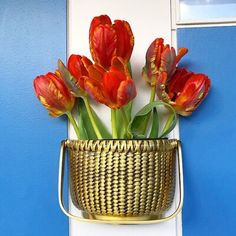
column 121, row 218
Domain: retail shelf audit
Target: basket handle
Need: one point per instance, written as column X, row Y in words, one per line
column 66, row 212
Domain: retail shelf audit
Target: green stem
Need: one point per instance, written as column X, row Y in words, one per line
column 153, row 94
column 124, row 117
column 130, row 69
column 73, row 122
column 91, row 117
column 113, row 124
column 126, row 121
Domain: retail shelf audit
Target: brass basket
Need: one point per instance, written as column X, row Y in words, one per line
column 122, row 181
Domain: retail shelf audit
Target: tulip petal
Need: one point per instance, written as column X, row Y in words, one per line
column 99, row 20
column 177, row 82
column 181, row 53
column 161, row 87
column 125, row 39
column 126, row 92
column 86, row 63
column 168, row 61
column 111, row 82
column 78, row 65
column 74, row 65
column 56, row 84
column 52, row 111
column 58, row 88
column 47, row 93
column 94, row 89
column 153, row 57
column 103, row 45
column 118, row 63
column 96, row 72
column 93, row 83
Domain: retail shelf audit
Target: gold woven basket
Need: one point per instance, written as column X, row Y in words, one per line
column 122, row 181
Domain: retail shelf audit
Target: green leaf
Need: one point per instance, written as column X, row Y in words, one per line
column 85, row 125
column 69, row 80
column 155, row 124
column 170, row 125
column 135, row 127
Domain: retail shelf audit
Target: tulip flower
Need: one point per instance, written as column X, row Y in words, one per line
column 114, row 87
column 160, row 57
column 107, row 40
column 53, row 94
column 78, row 67
column 184, row 90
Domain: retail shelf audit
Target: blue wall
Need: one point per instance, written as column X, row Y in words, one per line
column 32, row 38
column 209, row 135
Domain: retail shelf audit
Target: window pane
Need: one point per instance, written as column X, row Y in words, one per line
column 207, row 9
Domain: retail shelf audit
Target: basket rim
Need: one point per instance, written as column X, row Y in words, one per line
column 123, row 144
column 140, row 139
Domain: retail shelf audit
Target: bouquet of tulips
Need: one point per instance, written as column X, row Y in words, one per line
column 108, row 80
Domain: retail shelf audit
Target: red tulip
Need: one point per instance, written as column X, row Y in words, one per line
column 78, row 67
column 107, row 40
column 114, row 88
column 160, row 57
column 53, row 94
column 184, row 90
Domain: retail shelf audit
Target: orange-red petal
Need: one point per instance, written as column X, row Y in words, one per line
column 111, row 83
column 126, row 92
column 103, row 45
column 177, row 82
column 94, row 89
column 78, row 67
column 99, row 20
column 96, row 72
column 119, row 64
column 181, row 53
column 168, row 61
column 125, row 39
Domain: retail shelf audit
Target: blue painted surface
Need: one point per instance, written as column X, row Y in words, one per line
column 32, row 38
column 209, row 136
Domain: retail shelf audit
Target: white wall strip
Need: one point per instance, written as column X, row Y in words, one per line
column 149, row 19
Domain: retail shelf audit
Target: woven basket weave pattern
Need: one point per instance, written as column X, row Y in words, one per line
column 122, row 177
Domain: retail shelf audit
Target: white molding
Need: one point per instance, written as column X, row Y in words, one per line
column 211, row 22
column 203, row 25
column 207, row 21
